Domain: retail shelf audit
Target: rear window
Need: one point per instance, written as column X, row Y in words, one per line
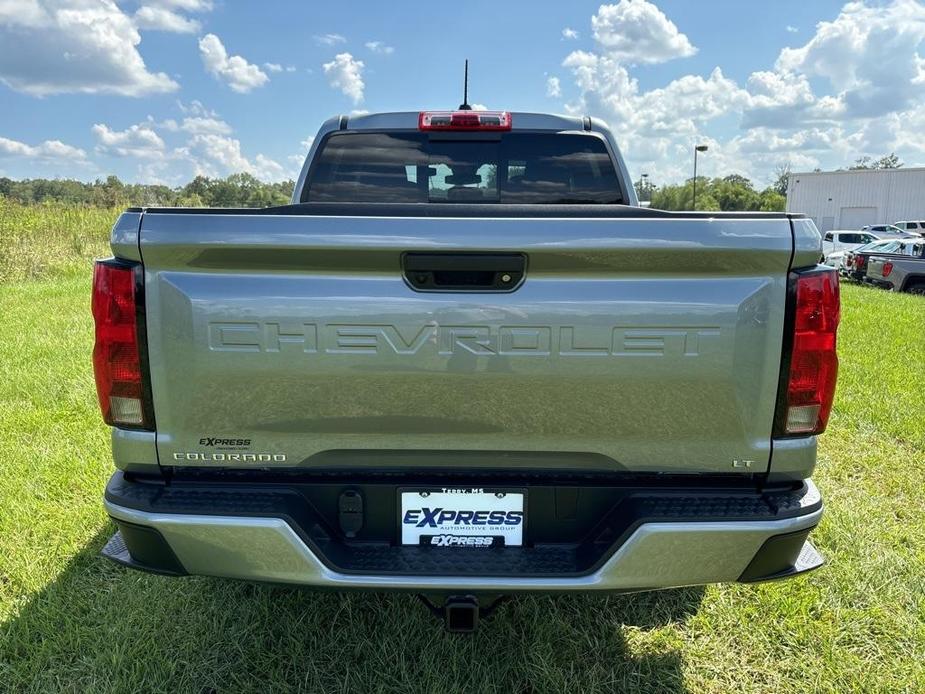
column 512, row 168
column 889, row 247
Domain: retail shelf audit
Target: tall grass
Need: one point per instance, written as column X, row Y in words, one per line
column 50, row 239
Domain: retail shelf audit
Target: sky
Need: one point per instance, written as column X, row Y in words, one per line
column 158, row 91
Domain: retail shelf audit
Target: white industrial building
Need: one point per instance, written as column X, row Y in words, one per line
column 853, row 199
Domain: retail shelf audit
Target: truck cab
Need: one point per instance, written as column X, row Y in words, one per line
column 836, row 244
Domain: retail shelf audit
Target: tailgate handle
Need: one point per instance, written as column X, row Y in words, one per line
column 479, row 272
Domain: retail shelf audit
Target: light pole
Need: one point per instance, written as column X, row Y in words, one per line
column 645, row 186
column 697, row 148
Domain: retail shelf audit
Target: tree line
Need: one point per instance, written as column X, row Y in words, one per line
column 237, row 190
column 728, row 193
column 244, row 190
column 735, row 192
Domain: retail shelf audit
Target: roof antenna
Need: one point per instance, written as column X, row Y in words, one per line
column 464, row 106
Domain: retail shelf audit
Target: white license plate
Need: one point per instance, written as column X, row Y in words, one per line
column 462, row 517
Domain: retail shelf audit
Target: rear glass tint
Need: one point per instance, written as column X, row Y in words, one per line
column 515, row 168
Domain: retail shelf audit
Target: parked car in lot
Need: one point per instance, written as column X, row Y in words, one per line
column 889, row 230
column 904, row 271
column 915, row 227
column 854, row 264
column 835, row 244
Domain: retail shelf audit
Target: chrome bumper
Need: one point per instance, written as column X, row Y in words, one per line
column 656, row 555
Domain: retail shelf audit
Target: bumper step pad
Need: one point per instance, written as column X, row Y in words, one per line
column 782, row 555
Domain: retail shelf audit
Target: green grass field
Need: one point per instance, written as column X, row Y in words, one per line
column 71, row 621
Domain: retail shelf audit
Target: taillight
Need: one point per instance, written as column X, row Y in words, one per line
column 806, row 394
column 117, row 362
column 464, row 120
column 887, row 269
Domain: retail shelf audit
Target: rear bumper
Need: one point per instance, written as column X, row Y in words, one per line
column 878, row 282
column 680, row 540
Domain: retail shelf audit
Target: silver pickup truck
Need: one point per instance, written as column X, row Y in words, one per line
column 903, row 270
column 465, row 363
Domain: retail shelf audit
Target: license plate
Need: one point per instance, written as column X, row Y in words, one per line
column 442, row 517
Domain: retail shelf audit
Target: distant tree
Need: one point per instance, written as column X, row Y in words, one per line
column 889, row 161
column 733, row 192
column 781, row 178
column 771, row 200
column 705, row 201
column 737, row 180
column 644, row 188
column 199, row 187
column 730, row 193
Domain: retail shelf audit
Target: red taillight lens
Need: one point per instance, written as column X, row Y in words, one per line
column 813, row 368
column 116, row 357
column 887, row 269
column 464, row 120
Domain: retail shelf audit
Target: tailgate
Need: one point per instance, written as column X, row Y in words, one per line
column 648, row 345
column 875, row 267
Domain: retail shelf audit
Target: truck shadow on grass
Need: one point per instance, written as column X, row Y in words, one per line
column 102, row 627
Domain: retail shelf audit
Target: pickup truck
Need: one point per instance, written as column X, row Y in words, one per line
column 465, row 363
column 903, row 271
column 854, row 264
column 837, row 244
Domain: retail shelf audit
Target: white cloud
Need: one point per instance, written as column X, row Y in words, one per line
column 298, row 159
column 346, row 73
column 479, row 107
column 329, row 39
column 869, row 55
column 855, row 87
column 49, row 150
column 163, row 19
column 553, row 87
column 569, row 34
column 239, row 74
column 196, row 108
column 792, row 29
column 273, row 67
column 139, row 141
column 778, row 99
column 216, row 155
column 199, row 125
column 187, row 5
column 637, row 31
column 379, row 47
column 65, row 46
column 197, row 120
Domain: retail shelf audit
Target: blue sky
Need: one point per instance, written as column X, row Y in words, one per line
column 160, row 90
